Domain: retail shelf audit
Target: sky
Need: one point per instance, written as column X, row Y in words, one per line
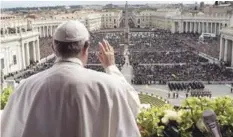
column 34, row 3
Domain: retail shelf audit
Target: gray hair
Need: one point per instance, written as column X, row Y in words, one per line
column 68, row 49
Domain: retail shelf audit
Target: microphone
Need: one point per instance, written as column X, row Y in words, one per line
column 209, row 119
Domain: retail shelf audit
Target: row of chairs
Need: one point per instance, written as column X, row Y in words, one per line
column 153, row 101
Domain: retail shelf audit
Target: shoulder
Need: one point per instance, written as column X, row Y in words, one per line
column 102, row 77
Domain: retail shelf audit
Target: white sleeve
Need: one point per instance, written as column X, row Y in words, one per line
column 131, row 94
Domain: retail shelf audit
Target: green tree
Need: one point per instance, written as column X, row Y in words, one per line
column 5, row 96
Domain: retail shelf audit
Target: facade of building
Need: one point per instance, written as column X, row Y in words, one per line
column 93, row 22
column 18, row 50
column 111, row 19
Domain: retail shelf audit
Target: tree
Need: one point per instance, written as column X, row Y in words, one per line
column 5, row 96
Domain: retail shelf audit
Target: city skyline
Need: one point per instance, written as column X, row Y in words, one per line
column 15, row 4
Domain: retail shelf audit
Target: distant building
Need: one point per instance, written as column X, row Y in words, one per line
column 202, row 5
column 219, row 8
column 110, row 6
column 32, row 16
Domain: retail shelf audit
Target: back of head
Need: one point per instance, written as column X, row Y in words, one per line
column 69, row 38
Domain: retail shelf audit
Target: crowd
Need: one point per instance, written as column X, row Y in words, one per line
column 164, row 57
column 156, row 56
column 31, row 70
column 115, row 39
column 160, row 56
column 149, row 74
column 156, row 41
column 162, row 40
column 45, row 47
column 93, row 61
column 93, row 58
column 209, row 46
column 95, row 67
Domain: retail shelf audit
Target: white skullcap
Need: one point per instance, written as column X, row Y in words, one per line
column 71, row 31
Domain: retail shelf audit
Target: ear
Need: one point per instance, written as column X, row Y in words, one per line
column 85, row 48
column 53, row 44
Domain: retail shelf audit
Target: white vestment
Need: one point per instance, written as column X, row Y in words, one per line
column 69, row 100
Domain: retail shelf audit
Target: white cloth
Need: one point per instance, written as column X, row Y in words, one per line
column 69, row 100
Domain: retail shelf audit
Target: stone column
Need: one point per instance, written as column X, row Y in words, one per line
column 34, row 50
column 43, row 31
column 211, row 27
column 37, row 50
column 191, row 26
column 222, row 45
column 51, row 31
column 19, row 61
column 207, row 27
column 186, row 27
column 181, row 26
column 225, row 51
column 27, row 55
column 23, row 55
column 195, row 27
column 215, row 28
column 199, row 27
column 47, row 31
column 39, row 31
column 203, row 27
column 219, row 28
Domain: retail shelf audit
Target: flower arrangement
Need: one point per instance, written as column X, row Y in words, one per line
column 186, row 121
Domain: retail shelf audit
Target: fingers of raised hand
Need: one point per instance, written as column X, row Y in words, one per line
column 104, row 43
column 110, row 47
column 101, row 48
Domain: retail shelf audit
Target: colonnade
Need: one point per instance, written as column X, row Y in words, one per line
column 198, row 27
column 226, row 49
column 30, row 51
column 46, row 30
